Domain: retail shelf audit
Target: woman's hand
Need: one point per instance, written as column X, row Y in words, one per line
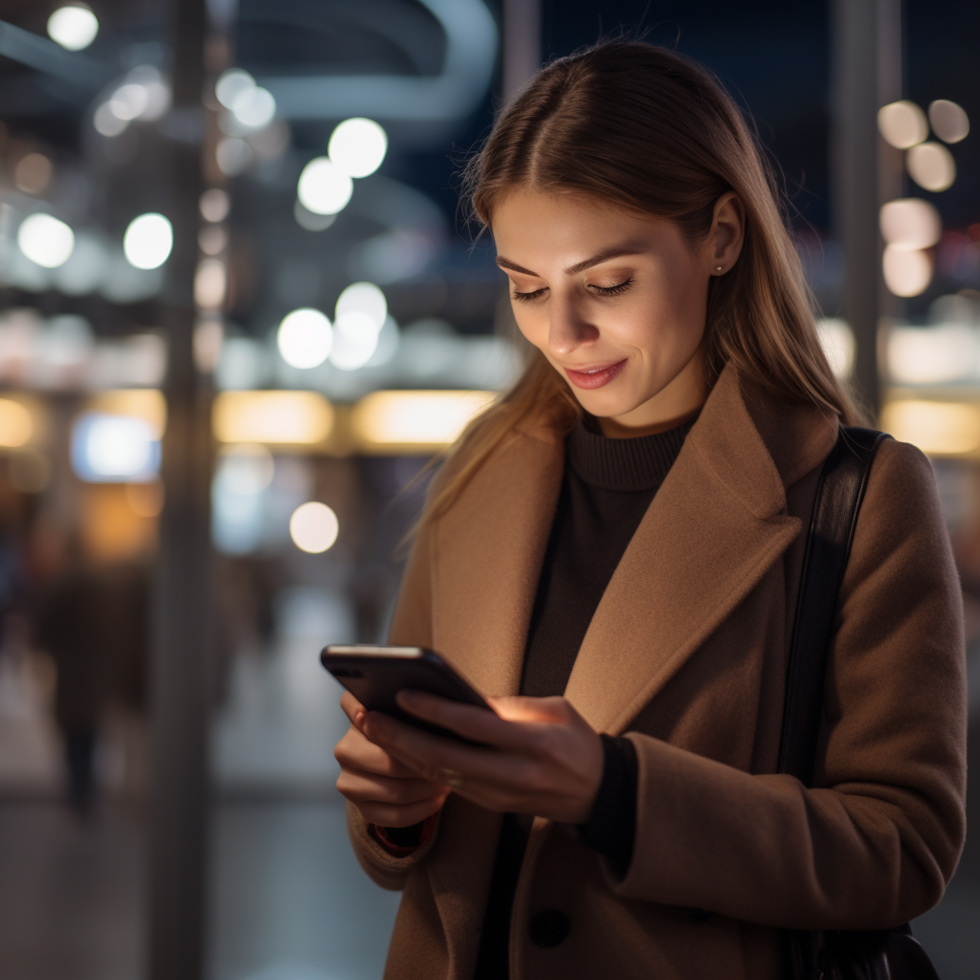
column 387, row 792
column 541, row 756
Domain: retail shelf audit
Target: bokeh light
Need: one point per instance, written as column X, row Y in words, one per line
column 323, row 188
column 314, row 527
column 907, row 273
column 277, row 417
column 74, row 27
column 949, row 121
column 254, row 107
column 355, row 340
column 365, row 297
column 114, row 448
column 902, row 124
column 232, row 85
column 357, row 147
column 32, row 173
column 215, row 204
column 16, row 425
column 931, row 166
column 45, row 240
column 148, row 241
column 210, row 282
column 246, row 467
column 910, row 223
column 305, row 338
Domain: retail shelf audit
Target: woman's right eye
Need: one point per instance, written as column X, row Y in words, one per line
column 524, row 297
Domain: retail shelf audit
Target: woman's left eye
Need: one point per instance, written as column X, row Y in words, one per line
column 620, row 287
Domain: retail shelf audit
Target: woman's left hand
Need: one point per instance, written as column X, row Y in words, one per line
column 541, row 756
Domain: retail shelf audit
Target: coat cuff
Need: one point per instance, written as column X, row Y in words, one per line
column 402, row 841
column 611, row 829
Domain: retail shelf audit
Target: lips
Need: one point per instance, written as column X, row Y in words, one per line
column 597, row 376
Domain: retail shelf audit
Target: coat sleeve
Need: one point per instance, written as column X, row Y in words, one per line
column 875, row 842
column 411, row 625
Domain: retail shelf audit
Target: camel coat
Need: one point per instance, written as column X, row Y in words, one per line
column 686, row 656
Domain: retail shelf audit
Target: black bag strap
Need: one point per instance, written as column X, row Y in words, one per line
column 840, row 491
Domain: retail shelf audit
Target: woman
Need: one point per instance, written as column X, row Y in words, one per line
column 614, row 550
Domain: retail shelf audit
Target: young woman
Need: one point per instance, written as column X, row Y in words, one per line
column 614, row 550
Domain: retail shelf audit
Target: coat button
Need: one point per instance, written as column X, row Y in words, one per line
column 548, row 928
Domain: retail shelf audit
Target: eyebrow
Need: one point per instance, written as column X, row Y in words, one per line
column 616, row 252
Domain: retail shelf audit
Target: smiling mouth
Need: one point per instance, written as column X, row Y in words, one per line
column 595, row 377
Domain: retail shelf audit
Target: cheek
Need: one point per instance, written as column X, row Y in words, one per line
column 532, row 323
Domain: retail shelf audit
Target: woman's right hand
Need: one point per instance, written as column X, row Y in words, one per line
column 387, row 793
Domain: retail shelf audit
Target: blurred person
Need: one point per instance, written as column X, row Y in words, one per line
column 70, row 627
column 614, row 552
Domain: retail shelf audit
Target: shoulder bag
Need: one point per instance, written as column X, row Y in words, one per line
column 887, row 954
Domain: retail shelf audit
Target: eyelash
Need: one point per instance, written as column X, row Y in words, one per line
column 620, row 287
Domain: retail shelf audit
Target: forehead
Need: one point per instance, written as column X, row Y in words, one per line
column 535, row 221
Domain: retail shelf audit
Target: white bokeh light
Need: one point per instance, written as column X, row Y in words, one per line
column 910, row 223
column 232, row 85
column 357, row 146
column 129, row 101
column 45, row 240
column 907, row 273
column 931, row 166
column 949, row 121
column 245, row 468
column 305, row 338
column 254, row 107
column 314, row 527
column 902, row 124
column 73, row 27
column 323, row 188
column 355, row 340
column 365, row 297
column 148, row 241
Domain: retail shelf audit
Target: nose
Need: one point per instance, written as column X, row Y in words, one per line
column 568, row 328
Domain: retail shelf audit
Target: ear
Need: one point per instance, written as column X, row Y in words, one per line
column 727, row 233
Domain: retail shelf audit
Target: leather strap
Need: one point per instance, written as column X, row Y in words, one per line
column 840, row 491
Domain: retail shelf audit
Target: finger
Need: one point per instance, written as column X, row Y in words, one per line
column 354, row 751
column 391, row 815
column 476, row 724
column 516, row 708
column 366, row 787
column 446, row 760
column 352, row 708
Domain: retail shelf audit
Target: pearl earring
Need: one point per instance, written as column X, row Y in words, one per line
column 717, row 268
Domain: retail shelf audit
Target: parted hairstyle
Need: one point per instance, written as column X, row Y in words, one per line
column 650, row 131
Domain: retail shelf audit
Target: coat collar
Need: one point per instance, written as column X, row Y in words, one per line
column 715, row 527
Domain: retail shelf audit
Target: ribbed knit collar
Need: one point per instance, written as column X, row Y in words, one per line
column 638, row 463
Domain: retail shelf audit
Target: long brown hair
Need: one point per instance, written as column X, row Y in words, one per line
column 651, row 131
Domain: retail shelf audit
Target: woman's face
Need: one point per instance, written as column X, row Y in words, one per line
column 616, row 301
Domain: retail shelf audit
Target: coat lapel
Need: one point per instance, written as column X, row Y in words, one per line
column 489, row 550
column 714, row 529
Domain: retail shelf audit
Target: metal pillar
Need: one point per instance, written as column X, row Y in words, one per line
column 521, row 43
column 178, row 814
column 866, row 61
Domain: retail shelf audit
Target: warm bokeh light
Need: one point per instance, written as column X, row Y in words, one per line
column 215, row 204
column 910, row 223
column 323, row 188
column 145, row 499
column 837, row 340
column 148, row 241
column 931, row 166
column 147, row 404
column 907, row 272
column 365, row 297
column 16, row 424
column 210, row 282
column 73, row 27
column 45, row 240
column 357, row 147
column 305, row 338
column 314, row 527
column 937, row 428
column 32, row 173
column 949, row 121
column 414, row 421
column 903, row 124
column 272, row 417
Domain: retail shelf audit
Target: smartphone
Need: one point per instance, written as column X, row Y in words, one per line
column 375, row 674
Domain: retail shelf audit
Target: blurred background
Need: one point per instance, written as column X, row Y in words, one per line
column 240, row 311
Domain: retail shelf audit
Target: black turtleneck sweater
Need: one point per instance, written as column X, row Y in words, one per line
column 607, row 487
